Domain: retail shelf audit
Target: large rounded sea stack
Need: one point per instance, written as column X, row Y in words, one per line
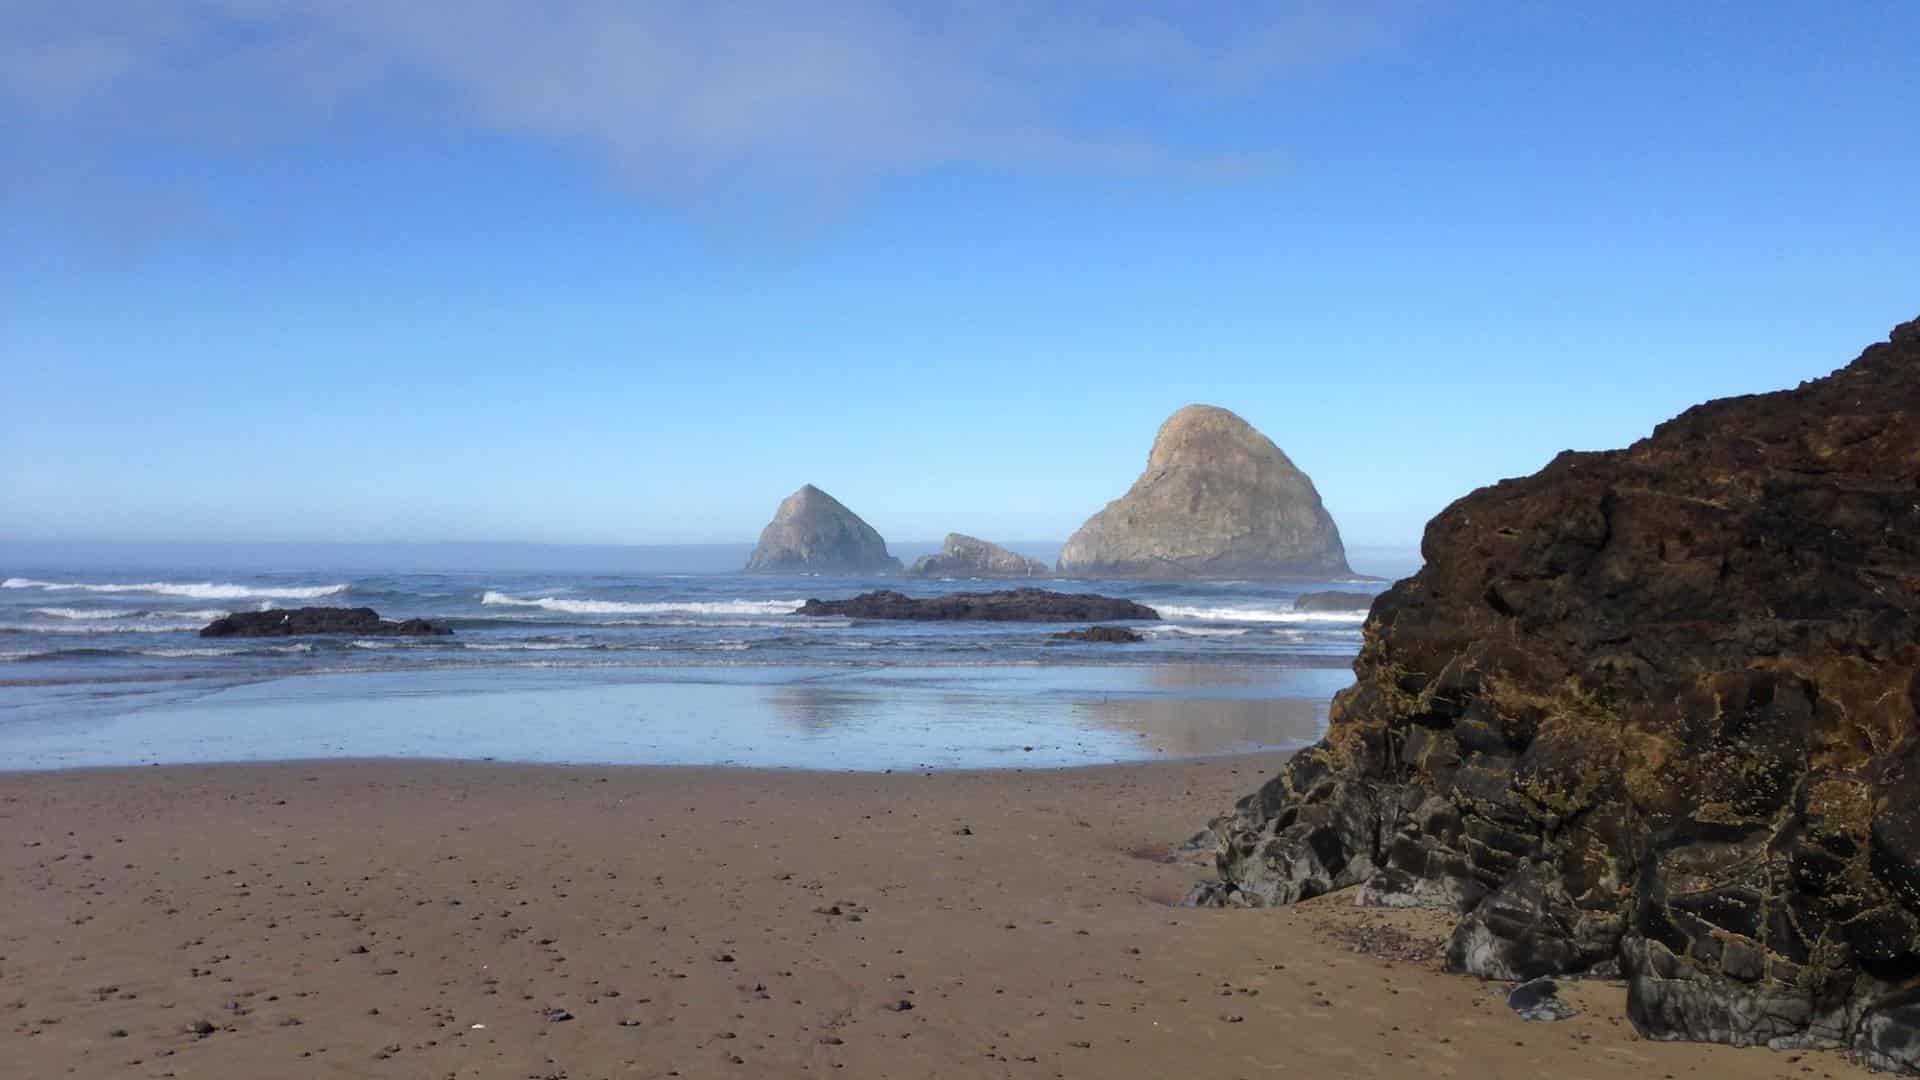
column 1218, row 500
column 812, row 533
column 1652, row 710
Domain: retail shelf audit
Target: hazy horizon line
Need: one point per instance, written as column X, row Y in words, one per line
column 187, row 541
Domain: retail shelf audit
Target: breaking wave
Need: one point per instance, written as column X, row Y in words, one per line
column 1258, row 615
column 100, row 627
column 125, row 613
column 203, row 590
column 664, row 607
column 1197, row 631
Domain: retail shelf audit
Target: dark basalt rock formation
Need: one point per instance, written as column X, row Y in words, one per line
column 1106, row 635
column 1652, row 710
column 812, row 533
column 288, row 622
column 1539, row 1000
column 1333, row 601
column 965, row 556
column 1218, row 500
column 1018, row 605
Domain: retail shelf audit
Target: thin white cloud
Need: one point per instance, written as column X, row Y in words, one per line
column 679, row 92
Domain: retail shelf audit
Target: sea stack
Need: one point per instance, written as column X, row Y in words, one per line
column 1653, row 711
column 812, row 533
column 965, row 556
column 1218, row 500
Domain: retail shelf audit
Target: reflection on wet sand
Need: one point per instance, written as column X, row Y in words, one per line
column 1188, row 676
column 817, row 709
column 1178, row 710
column 1198, row 726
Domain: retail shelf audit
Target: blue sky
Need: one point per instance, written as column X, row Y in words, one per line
column 603, row 272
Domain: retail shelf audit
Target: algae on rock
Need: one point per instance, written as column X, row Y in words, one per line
column 1652, row 711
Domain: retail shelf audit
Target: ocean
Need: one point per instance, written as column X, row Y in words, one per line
column 104, row 667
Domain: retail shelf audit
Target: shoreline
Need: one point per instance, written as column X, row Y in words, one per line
column 1277, row 755
column 897, row 717
column 356, row 917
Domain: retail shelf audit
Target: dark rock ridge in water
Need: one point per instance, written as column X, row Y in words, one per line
column 1106, row 635
column 813, row 533
column 1333, row 601
column 1218, row 500
column 966, row 556
column 288, row 622
column 1017, row 605
column 1652, row 709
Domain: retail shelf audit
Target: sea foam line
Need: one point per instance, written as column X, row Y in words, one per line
column 125, row 613
column 1196, row 631
column 99, row 627
column 202, row 590
column 1258, row 615
column 666, row 607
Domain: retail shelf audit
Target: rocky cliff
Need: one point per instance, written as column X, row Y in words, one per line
column 1652, row 709
column 965, row 556
column 812, row 533
column 1218, row 500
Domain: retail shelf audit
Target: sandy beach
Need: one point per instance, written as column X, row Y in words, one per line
column 409, row 919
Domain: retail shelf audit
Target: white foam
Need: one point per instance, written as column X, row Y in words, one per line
column 125, row 613
column 665, row 607
column 1197, row 631
column 102, row 627
column 1258, row 615
column 86, row 613
column 204, row 590
column 522, row 646
column 174, row 653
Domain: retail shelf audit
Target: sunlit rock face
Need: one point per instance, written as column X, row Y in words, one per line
column 1218, row 500
column 1652, row 709
column 812, row 533
column 966, row 556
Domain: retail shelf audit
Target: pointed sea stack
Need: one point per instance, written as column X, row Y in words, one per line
column 965, row 556
column 1653, row 711
column 812, row 533
column 1218, row 500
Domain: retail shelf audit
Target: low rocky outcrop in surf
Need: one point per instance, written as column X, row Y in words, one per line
column 1102, row 635
column 1333, row 601
column 813, row 533
column 290, row 622
column 1017, row 605
column 1218, row 500
column 966, row 556
column 1653, row 711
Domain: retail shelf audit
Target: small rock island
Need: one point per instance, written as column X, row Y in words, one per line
column 966, row 556
column 292, row 622
column 1333, row 600
column 1101, row 635
column 1017, row 605
column 814, row 533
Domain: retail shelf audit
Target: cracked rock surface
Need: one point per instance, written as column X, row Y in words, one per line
column 1652, row 710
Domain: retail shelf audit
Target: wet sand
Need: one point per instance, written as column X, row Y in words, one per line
column 427, row 919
